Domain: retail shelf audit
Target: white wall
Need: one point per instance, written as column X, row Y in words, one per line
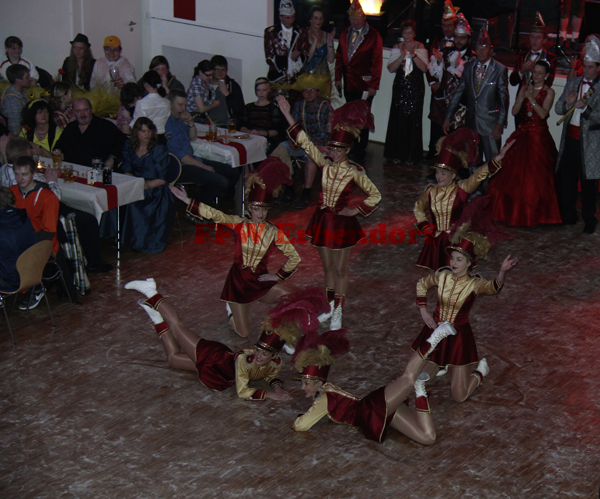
column 47, row 27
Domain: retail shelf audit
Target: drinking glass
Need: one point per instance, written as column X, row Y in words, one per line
column 68, row 173
column 231, row 125
column 56, row 158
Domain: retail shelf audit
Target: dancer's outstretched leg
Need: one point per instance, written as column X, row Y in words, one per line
column 175, row 358
column 464, row 382
column 418, row 424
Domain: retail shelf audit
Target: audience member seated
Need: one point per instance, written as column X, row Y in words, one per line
column 201, row 98
column 148, row 222
column 229, row 93
column 14, row 49
column 160, row 64
column 77, row 68
column 39, row 128
column 87, row 225
column 14, row 98
column 17, row 147
column 16, row 235
column 130, row 94
column 89, row 136
column 62, row 103
column 313, row 113
column 153, row 106
column 262, row 117
column 112, row 71
column 214, row 178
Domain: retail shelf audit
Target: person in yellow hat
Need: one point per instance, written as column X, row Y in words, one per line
column 112, row 71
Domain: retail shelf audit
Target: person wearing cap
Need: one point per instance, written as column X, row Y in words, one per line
column 445, row 69
column 521, row 75
column 313, row 114
column 112, row 71
column 374, row 413
column 283, row 56
column 358, row 64
column 333, row 228
column 447, row 198
column 524, row 193
column 457, row 289
column 256, row 239
column 13, row 55
column 484, row 87
column 218, row 367
column 436, row 57
column 77, row 68
column 579, row 152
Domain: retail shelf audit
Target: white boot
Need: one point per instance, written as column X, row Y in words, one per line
column 288, row 349
column 483, row 368
column 154, row 315
column 442, row 371
column 326, row 315
column 147, row 287
column 420, row 384
column 336, row 319
column 444, row 330
column 228, row 309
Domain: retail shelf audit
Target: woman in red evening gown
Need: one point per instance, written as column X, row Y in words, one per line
column 524, row 192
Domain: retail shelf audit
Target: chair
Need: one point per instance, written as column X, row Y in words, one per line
column 173, row 170
column 30, row 266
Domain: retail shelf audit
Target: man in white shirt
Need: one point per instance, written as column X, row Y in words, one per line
column 112, row 71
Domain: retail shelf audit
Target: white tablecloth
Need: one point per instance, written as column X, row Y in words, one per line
column 94, row 200
column 256, row 147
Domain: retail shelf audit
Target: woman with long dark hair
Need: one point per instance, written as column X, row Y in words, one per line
column 316, row 44
column 160, row 64
column 148, row 222
column 39, row 127
column 154, row 105
column 77, row 68
column 201, row 97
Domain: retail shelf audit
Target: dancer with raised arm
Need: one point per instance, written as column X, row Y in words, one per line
column 333, row 228
column 256, row 239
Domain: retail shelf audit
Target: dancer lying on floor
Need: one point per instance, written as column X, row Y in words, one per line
column 373, row 413
column 217, row 366
column 249, row 279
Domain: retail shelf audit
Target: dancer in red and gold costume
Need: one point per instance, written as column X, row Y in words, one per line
column 458, row 288
column 524, row 192
column 372, row 413
column 218, row 367
column 256, row 239
column 447, row 198
column 333, row 228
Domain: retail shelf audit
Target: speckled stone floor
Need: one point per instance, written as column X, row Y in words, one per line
column 91, row 409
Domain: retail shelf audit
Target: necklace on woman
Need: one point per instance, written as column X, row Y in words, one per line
column 539, row 89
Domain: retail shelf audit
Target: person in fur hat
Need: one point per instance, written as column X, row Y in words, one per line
column 249, row 279
column 333, row 228
column 218, row 367
column 373, row 413
column 447, row 198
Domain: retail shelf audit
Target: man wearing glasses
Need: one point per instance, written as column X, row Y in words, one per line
column 112, row 71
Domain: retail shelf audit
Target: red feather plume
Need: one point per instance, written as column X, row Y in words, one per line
column 464, row 139
column 354, row 114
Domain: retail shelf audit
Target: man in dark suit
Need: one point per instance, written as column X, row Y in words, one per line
column 527, row 59
column 358, row 61
column 484, row 87
column 280, row 44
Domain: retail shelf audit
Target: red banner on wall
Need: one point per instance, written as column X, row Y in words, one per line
column 184, row 9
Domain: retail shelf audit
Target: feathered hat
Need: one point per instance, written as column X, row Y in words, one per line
column 347, row 122
column 315, row 353
column 450, row 11
column 295, row 314
column 356, row 9
column 592, row 50
column 484, row 37
column 538, row 26
column 471, row 244
column 319, row 80
column 458, row 150
column 462, row 26
column 266, row 181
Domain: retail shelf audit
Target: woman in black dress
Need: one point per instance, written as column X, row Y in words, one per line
column 408, row 59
